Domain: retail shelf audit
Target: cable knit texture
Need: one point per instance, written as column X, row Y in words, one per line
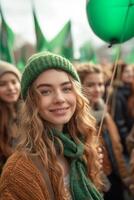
column 21, row 180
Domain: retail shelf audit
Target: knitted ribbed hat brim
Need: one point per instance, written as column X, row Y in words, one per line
column 6, row 67
column 44, row 61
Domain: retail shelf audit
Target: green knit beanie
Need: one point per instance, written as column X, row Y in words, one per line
column 43, row 61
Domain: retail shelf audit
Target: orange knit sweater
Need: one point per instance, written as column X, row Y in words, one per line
column 21, row 180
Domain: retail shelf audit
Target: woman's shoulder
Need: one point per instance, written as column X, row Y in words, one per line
column 18, row 168
column 14, row 161
column 20, row 177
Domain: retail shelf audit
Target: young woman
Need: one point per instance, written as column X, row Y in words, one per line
column 57, row 157
column 119, row 103
column 92, row 78
column 9, row 95
column 130, row 142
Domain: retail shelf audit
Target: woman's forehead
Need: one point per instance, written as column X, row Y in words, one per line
column 52, row 77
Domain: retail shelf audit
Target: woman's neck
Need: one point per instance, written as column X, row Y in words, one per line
column 11, row 107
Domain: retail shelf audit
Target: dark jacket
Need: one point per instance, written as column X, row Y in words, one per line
column 122, row 118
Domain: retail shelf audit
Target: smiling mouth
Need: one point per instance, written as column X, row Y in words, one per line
column 12, row 94
column 56, row 109
column 59, row 110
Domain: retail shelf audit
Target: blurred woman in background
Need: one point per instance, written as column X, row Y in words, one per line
column 9, row 95
column 119, row 102
column 92, row 78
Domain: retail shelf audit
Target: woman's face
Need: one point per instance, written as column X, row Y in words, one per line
column 57, row 99
column 9, row 88
column 127, row 75
column 94, row 85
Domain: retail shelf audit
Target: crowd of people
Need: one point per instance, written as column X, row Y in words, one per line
column 59, row 136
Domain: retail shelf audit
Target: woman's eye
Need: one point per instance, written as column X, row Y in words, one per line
column 2, row 84
column 89, row 85
column 45, row 92
column 14, row 82
column 101, row 85
column 67, row 89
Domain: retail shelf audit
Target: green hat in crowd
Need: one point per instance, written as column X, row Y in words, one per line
column 40, row 62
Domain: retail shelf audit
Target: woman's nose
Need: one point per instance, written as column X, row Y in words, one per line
column 10, row 86
column 59, row 97
column 97, row 88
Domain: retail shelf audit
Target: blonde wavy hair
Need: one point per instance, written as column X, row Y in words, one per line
column 88, row 68
column 36, row 140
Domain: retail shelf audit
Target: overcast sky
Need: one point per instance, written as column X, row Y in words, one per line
column 52, row 15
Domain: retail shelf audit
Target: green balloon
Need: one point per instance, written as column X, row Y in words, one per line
column 111, row 20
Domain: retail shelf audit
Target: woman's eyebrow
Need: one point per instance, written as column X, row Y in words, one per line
column 50, row 85
column 3, row 81
column 44, row 85
column 66, row 83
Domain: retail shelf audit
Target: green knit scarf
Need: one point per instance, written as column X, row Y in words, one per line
column 81, row 186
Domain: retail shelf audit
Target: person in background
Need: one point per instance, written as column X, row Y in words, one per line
column 119, row 102
column 57, row 156
column 130, row 142
column 9, row 95
column 92, row 78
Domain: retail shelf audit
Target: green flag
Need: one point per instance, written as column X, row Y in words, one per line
column 22, row 60
column 62, row 43
column 41, row 42
column 6, row 41
column 87, row 52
